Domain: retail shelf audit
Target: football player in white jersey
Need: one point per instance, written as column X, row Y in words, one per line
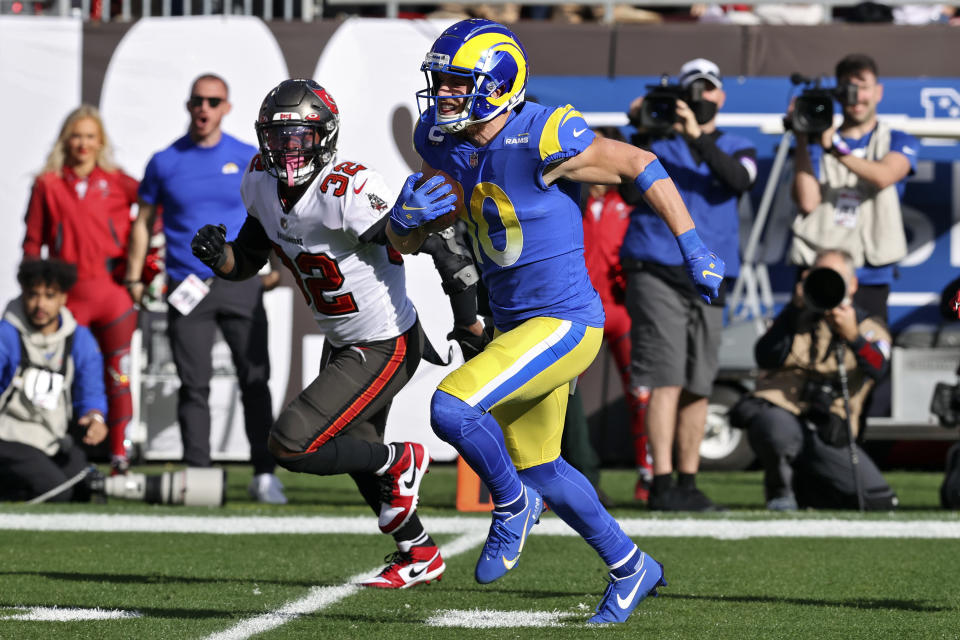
column 325, row 218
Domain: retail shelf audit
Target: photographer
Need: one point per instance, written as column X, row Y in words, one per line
column 675, row 335
column 796, row 419
column 848, row 184
column 50, row 371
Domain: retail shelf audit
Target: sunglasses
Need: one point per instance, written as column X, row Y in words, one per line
column 197, row 101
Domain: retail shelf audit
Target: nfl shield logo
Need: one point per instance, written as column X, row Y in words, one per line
column 474, row 160
column 283, row 222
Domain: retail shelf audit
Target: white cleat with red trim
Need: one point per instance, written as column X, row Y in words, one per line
column 407, row 568
column 401, row 487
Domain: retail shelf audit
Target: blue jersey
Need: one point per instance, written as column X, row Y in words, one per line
column 899, row 141
column 196, row 186
column 712, row 204
column 527, row 237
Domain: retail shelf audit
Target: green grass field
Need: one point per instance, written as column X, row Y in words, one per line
column 160, row 583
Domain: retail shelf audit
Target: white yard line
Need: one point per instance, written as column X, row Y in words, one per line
column 724, row 529
column 68, row 614
column 321, row 597
column 490, row 619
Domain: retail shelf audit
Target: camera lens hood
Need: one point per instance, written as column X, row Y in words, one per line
column 824, row 289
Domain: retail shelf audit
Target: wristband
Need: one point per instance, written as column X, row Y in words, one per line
column 651, row 173
column 129, row 283
column 839, row 147
column 689, row 241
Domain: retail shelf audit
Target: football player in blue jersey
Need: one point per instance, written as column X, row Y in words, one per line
column 519, row 164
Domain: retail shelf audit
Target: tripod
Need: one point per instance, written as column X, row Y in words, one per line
column 752, row 294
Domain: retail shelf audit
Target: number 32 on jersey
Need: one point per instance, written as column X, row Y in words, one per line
column 317, row 275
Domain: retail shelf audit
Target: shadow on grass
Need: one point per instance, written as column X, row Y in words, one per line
column 852, row 603
column 146, row 579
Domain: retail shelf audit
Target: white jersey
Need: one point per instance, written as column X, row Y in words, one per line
column 357, row 290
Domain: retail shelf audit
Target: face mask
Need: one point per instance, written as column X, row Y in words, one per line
column 704, row 111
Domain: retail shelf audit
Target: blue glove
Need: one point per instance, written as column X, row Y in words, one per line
column 704, row 267
column 416, row 207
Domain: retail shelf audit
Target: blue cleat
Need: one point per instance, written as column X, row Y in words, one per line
column 624, row 593
column 508, row 533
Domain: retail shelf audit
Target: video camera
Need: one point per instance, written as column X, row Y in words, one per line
column 658, row 112
column 813, row 109
column 824, row 289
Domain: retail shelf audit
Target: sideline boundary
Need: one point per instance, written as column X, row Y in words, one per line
column 723, row 529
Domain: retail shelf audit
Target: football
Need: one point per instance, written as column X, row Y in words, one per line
column 444, row 221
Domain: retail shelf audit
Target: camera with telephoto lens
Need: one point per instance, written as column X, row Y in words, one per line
column 819, row 395
column 191, row 487
column 824, row 288
column 813, row 109
column 658, row 112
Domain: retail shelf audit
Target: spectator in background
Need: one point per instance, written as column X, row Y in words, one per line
column 675, row 335
column 796, row 419
column 50, row 371
column 848, row 184
column 196, row 180
column 605, row 220
column 80, row 211
column 921, row 14
column 745, row 14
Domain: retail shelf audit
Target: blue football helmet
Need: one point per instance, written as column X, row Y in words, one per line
column 490, row 58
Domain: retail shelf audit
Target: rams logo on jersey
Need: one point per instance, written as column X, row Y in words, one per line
column 523, row 138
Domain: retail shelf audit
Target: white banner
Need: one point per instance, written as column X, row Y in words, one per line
column 40, row 84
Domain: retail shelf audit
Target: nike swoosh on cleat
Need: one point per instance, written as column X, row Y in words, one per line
column 360, row 188
column 706, row 273
column 624, row 603
column 510, row 563
column 414, row 573
column 413, row 472
column 577, row 134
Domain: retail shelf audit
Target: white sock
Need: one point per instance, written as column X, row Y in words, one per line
column 500, row 507
column 406, row 545
column 626, row 558
column 391, row 455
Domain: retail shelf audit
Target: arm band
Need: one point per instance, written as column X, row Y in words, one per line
column 650, row 174
column 840, row 147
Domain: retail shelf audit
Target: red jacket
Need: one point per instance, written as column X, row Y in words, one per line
column 90, row 231
column 605, row 222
